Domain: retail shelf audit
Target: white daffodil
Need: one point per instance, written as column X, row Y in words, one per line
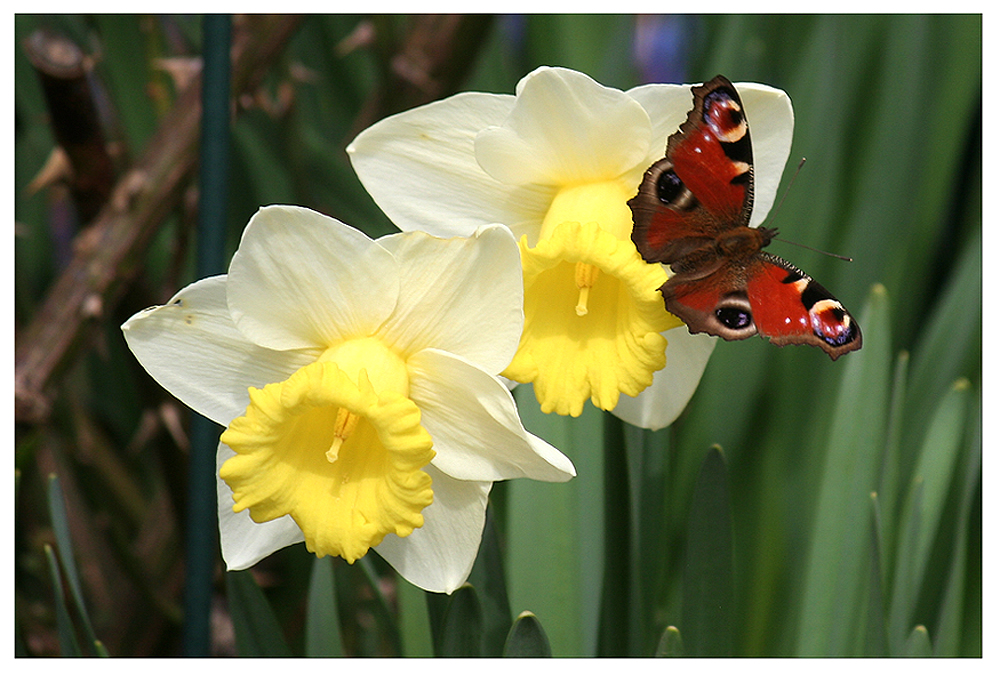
column 356, row 379
column 557, row 163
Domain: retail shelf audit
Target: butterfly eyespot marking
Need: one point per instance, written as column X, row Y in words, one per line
column 670, row 190
column 668, row 186
column 831, row 323
column 734, row 318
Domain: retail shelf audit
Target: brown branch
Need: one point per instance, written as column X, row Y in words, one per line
column 108, row 255
column 435, row 56
column 63, row 71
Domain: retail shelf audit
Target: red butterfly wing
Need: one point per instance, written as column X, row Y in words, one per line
column 704, row 185
column 789, row 307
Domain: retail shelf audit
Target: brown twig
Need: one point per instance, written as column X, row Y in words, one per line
column 63, row 71
column 108, row 255
column 435, row 56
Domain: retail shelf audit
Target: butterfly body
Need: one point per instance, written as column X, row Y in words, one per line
column 692, row 212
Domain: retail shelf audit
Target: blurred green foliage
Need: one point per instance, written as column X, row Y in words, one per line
column 843, row 513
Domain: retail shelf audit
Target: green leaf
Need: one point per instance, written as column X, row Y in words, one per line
column 838, row 558
column 414, row 621
column 619, row 605
column 68, row 643
column 890, row 492
column 555, row 532
column 322, row 621
column 950, row 344
column 707, row 604
column 487, row 577
column 949, row 628
column 258, row 632
column 936, row 464
column 463, row 625
column 383, row 608
column 64, row 547
column 527, row 638
column 918, row 644
column 876, row 643
column 670, row 643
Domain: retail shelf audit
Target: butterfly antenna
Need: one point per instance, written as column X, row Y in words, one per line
column 816, row 250
column 788, row 187
column 793, row 243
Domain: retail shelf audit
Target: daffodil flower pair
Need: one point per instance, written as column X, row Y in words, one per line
column 357, row 381
column 557, row 163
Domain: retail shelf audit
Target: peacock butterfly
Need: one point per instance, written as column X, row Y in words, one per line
column 692, row 212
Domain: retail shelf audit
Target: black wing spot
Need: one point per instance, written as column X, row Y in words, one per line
column 733, row 317
column 669, row 186
column 815, row 293
column 739, row 151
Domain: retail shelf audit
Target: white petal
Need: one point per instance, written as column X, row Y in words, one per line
column 772, row 123
column 439, row 556
column 244, row 543
column 302, row 279
column 192, row 348
column 667, row 106
column 663, row 401
column 474, row 423
column 420, row 168
column 462, row 295
column 565, row 128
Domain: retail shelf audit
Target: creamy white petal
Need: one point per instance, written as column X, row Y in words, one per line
column 303, row 279
column 565, row 128
column 244, row 543
column 473, row 420
column 667, row 106
column 772, row 123
column 193, row 349
column 439, row 556
column 663, row 401
column 420, row 168
column 463, row 295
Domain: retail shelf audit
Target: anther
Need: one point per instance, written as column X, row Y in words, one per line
column 343, row 428
column 585, row 275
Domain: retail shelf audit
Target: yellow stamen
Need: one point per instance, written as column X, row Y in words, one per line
column 343, row 428
column 585, row 277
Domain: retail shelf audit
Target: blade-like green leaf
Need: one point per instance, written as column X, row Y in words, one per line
column 707, row 603
column 487, row 577
column 876, row 643
column 918, row 643
column 64, row 547
column 619, row 609
column 258, row 632
column 527, row 638
column 950, row 345
column 949, row 634
column 670, row 643
column 463, row 625
column 651, row 544
column 414, row 622
column 890, row 492
column 936, row 463
column 68, row 643
column 555, row 532
column 838, row 559
column 322, row 621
